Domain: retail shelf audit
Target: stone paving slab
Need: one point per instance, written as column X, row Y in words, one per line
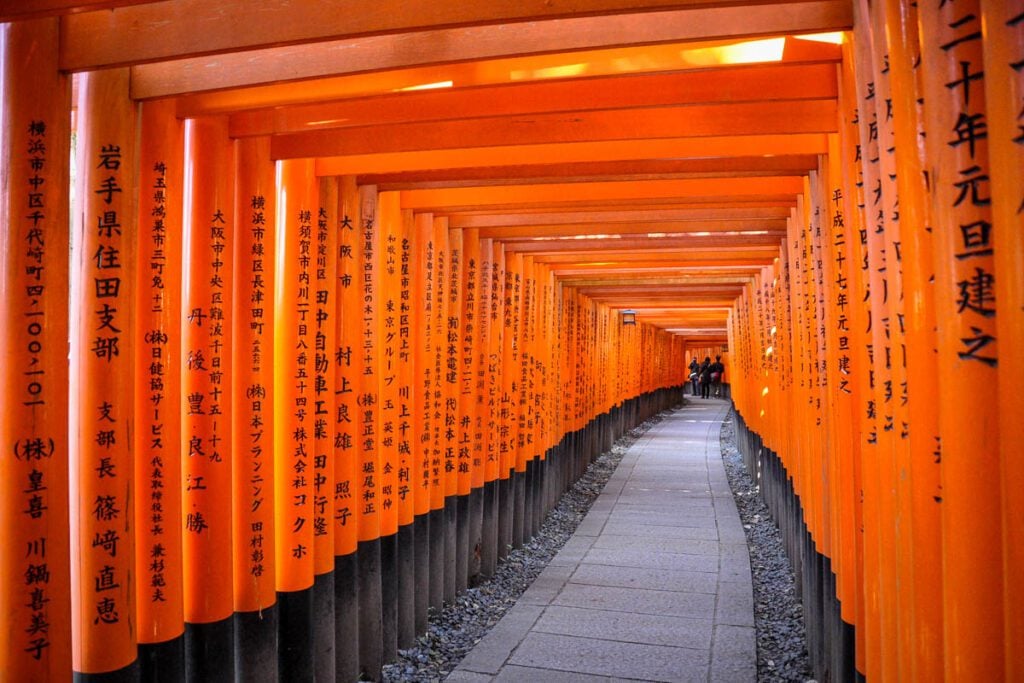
column 611, row 658
column 653, row 586
column 643, row 577
column 650, row 629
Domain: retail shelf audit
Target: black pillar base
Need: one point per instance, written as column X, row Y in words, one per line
column 208, row 650
column 256, row 645
column 165, row 662
column 451, row 542
column 528, row 478
column 489, row 545
column 406, row 586
column 371, row 637
column 389, row 596
column 295, row 636
column 436, row 530
column 421, row 572
column 506, row 511
column 323, row 627
column 519, row 509
column 346, row 617
column 461, row 543
column 476, row 530
column 128, row 674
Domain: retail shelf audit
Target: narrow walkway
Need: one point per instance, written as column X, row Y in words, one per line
column 653, row 586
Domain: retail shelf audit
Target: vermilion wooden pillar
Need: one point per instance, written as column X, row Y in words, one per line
column 104, row 620
column 346, row 497
column 407, row 328
column 35, row 590
column 389, row 376
column 496, row 473
column 255, row 556
column 324, row 432
column 157, row 435
column 422, row 297
column 209, row 228
column 916, row 237
column 511, row 397
column 485, row 459
column 441, row 560
column 1004, row 91
column 470, row 438
column 371, row 625
column 966, row 309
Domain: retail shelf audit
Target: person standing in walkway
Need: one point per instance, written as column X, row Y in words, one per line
column 717, row 371
column 694, row 375
column 705, row 377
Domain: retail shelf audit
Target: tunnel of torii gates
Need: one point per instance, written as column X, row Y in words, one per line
column 333, row 313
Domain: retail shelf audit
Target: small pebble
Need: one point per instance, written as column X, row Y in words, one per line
column 778, row 613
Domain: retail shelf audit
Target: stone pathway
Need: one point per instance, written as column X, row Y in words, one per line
column 653, row 586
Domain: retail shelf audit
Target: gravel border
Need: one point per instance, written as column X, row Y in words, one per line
column 454, row 631
column 778, row 612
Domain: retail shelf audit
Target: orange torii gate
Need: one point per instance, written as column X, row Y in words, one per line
column 311, row 359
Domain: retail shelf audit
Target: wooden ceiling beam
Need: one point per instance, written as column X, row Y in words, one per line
column 621, row 220
column 650, row 257
column 21, row 10
column 738, row 119
column 635, row 169
column 652, row 267
column 693, row 275
column 705, row 188
column 647, row 245
column 179, row 29
column 375, row 73
column 654, row 204
column 572, row 231
column 559, row 152
column 766, row 82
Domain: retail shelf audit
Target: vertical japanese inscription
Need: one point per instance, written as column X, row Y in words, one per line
column 33, row 463
column 347, row 381
column 257, row 395
column 111, row 412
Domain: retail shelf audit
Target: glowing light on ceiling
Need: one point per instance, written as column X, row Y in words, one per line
column 562, row 71
column 563, row 238
column 426, row 86
column 836, row 38
column 325, row 122
column 748, row 52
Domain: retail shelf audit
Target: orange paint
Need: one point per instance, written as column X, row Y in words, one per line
column 255, row 559
column 966, row 311
column 206, row 448
column 423, row 312
column 390, row 369
column 103, row 613
column 456, row 451
column 35, row 579
column 408, row 354
column 439, row 487
column 470, row 438
column 324, row 404
column 157, row 435
column 348, row 371
column 1004, row 90
column 295, row 373
column 495, row 366
column 919, row 321
column 511, row 364
column 369, row 350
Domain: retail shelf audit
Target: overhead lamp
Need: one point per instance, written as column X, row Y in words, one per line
column 629, row 317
